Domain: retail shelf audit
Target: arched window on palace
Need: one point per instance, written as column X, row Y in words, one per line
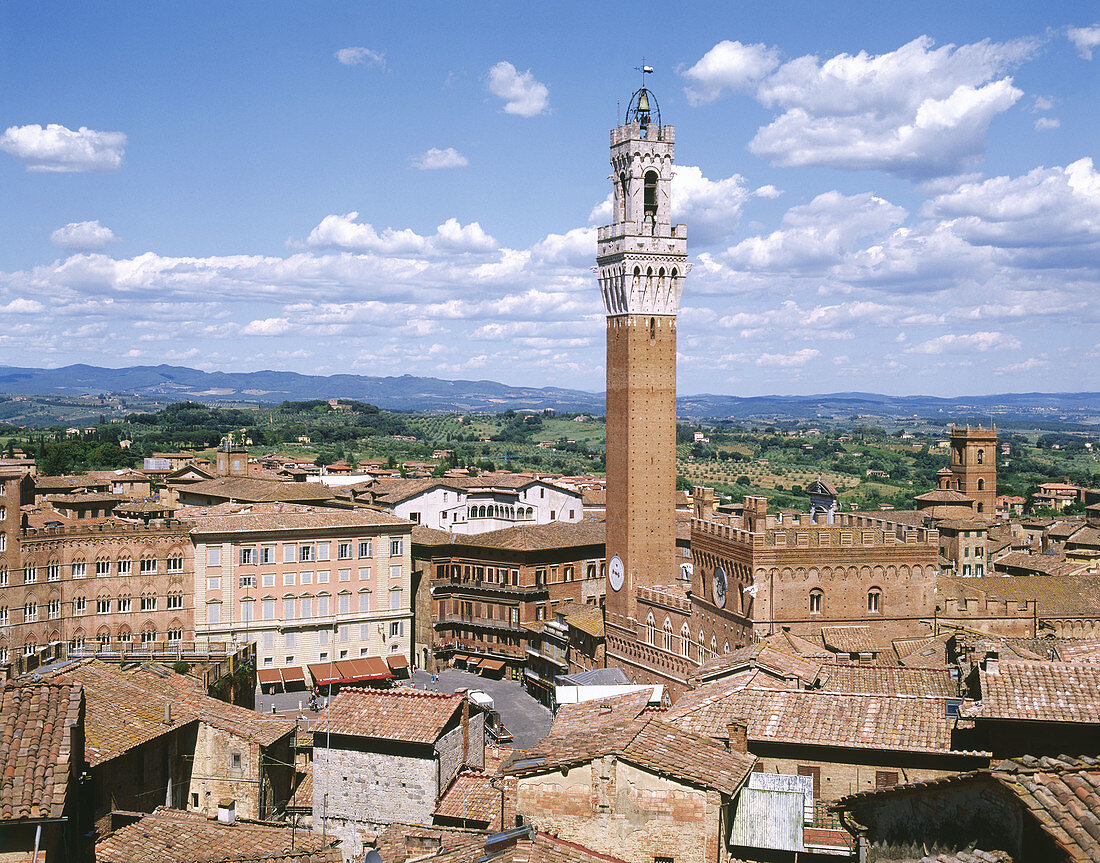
column 816, row 597
column 650, row 630
column 874, row 600
column 668, row 634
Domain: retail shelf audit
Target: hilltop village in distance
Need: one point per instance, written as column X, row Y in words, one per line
column 322, row 631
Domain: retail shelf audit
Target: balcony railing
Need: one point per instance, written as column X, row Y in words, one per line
column 483, row 622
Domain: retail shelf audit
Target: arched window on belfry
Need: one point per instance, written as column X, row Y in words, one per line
column 649, row 205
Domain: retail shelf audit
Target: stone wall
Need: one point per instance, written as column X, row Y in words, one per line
column 226, row 767
column 372, row 789
column 616, row 808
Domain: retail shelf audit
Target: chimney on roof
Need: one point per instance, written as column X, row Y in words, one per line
column 737, row 735
column 992, row 661
column 465, row 726
column 168, row 713
column 227, row 811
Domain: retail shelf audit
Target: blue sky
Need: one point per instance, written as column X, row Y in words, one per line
column 902, row 199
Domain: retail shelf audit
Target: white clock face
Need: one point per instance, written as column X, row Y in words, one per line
column 616, row 572
column 720, row 587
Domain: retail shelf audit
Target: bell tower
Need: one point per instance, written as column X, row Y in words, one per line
column 641, row 264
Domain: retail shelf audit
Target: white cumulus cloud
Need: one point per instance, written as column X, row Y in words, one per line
column 436, row 159
column 918, row 111
column 788, row 361
column 58, row 149
column 522, row 94
column 83, row 236
column 965, row 343
column 344, row 232
column 728, row 67
column 357, row 55
column 267, row 327
column 1045, row 123
column 1085, row 39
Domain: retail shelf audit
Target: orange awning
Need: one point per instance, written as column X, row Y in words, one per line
column 396, row 661
column 268, row 675
column 492, row 664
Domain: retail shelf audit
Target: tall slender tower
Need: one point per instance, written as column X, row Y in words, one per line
column 641, row 263
column 974, row 465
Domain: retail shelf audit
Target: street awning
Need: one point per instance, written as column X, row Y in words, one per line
column 293, row 674
column 473, row 662
column 491, row 665
column 397, row 661
column 268, row 675
column 350, row 671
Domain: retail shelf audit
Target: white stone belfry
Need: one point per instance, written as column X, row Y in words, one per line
column 641, row 259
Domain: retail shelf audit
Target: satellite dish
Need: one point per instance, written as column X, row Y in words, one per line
column 372, row 856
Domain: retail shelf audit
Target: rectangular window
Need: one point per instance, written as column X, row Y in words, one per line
column 246, row 610
column 307, row 606
column 288, row 578
column 246, row 581
column 364, row 631
column 148, row 565
column 125, row 604
column 148, row 603
column 214, row 582
column 214, row 555
column 345, row 604
column 395, row 572
column 322, row 637
column 322, row 576
column 268, row 579
column 395, row 600
column 268, row 609
column 289, row 640
column 269, row 641
column 214, row 613
column 885, row 779
column 322, row 606
column 344, row 635
column 267, row 554
column 397, row 547
column 343, row 551
column 364, row 602
column 290, row 552
column 247, row 556
column 323, row 550
column 397, row 628
column 125, row 567
column 3, row 577
column 80, row 606
column 102, row 568
column 344, row 574
column 288, row 609
column 366, row 548
column 305, row 553
column 364, row 573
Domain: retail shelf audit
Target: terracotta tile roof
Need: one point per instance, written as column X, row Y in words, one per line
column 470, row 797
column 887, row 680
column 409, row 715
column 35, row 757
column 645, row 740
column 246, row 488
column 126, row 708
column 1080, row 651
column 586, row 618
column 1044, row 564
column 943, row 496
column 1062, row 794
column 576, row 718
column 399, row 842
column 849, row 639
column 172, row 836
column 767, row 655
column 523, row 537
column 894, row 722
column 259, row 517
column 1066, row 595
column 1039, row 692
